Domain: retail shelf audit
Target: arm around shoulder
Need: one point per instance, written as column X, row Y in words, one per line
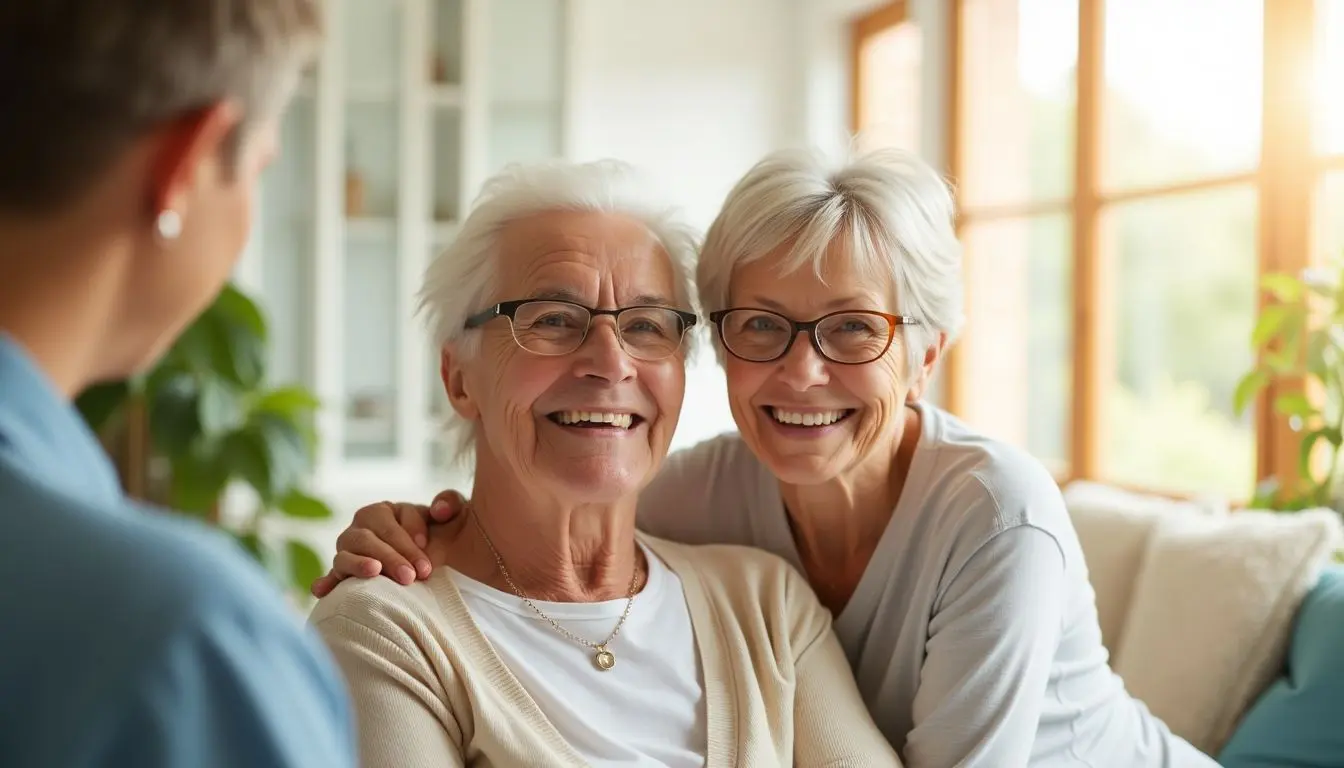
column 832, row 724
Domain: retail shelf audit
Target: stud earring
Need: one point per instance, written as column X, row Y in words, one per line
column 169, row 224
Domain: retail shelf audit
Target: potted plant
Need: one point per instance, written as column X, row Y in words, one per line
column 203, row 419
column 1299, row 338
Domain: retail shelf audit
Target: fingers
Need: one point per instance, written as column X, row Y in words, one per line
column 447, row 505
column 323, row 585
column 361, row 553
column 411, row 518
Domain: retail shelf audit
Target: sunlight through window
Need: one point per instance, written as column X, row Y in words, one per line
column 1330, row 76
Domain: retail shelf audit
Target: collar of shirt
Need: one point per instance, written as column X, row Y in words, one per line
column 43, row 435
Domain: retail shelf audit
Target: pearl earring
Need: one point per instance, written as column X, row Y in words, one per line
column 169, row 224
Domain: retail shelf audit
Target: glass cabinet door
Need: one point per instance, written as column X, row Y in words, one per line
column 284, row 243
column 524, row 81
column 371, row 209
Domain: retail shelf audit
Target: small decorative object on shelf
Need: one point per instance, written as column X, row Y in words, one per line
column 438, row 69
column 354, row 185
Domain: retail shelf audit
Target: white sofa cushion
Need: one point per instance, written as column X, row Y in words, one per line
column 1114, row 528
column 1211, row 612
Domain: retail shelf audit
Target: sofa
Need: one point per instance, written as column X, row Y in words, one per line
column 1228, row 625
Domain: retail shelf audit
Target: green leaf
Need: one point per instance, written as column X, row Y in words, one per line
column 1317, row 347
column 288, row 453
column 1249, row 386
column 99, row 403
column 243, row 454
column 174, row 412
column 293, row 403
column 198, row 482
column 1333, row 436
column 1305, row 450
column 299, row 504
column 1265, row 492
column 237, row 309
column 251, row 543
column 220, row 407
column 1282, row 286
column 304, row 564
column 1268, row 325
column 1294, row 404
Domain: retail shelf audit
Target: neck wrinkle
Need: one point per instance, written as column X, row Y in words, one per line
column 556, row 552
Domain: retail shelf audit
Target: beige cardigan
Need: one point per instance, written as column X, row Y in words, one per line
column 430, row 691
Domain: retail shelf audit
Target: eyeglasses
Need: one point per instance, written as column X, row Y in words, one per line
column 850, row 337
column 550, row 327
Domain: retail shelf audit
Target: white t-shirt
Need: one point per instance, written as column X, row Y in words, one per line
column 973, row 633
column 647, row 710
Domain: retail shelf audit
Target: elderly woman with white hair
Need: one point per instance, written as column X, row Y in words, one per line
column 957, row 582
column 551, row 634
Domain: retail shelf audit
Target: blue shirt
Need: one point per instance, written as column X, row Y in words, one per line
column 131, row 637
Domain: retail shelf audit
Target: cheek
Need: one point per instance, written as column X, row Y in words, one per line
column 882, row 389
column 744, row 380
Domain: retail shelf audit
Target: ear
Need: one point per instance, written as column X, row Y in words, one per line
column 932, row 355
column 191, row 151
column 455, row 383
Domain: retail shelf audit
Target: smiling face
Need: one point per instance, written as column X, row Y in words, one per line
column 810, row 419
column 593, row 425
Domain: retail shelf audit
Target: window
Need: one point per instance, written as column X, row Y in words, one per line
column 1127, row 171
column 887, row 78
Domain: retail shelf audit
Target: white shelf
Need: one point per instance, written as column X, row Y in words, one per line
column 423, row 98
column 444, row 96
column 371, row 228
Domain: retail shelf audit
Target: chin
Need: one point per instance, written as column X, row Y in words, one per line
column 805, row 469
column 599, row 481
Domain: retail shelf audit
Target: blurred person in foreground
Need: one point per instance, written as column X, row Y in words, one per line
column 948, row 559
column 551, row 633
column 132, row 133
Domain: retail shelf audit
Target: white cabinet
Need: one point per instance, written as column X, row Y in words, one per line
column 412, row 105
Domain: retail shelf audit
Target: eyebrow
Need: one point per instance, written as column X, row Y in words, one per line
column 562, row 294
column 841, row 303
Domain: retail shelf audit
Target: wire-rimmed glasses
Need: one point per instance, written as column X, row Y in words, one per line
column 554, row 327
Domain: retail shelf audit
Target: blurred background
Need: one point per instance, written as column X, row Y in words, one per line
column 1129, row 173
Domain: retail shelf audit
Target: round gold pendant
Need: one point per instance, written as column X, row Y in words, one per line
column 604, row 659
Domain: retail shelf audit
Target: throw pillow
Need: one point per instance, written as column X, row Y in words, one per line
column 1212, row 611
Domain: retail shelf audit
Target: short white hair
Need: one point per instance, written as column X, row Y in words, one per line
column 460, row 280
column 890, row 209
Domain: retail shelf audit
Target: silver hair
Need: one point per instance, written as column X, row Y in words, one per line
column 461, row 280
column 893, row 213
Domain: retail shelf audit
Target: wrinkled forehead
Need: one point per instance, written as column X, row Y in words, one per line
column 583, row 251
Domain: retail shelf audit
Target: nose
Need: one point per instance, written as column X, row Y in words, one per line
column 601, row 354
column 802, row 367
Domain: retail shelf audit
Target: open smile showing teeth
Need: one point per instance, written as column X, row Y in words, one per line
column 810, row 419
column 595, row 419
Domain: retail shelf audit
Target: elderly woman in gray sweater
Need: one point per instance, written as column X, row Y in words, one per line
column 957, row 582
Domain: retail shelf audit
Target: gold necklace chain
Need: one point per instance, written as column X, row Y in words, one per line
column 603, row 658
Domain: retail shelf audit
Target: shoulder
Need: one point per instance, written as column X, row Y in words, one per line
column 981, row 487
column 161, row 621
column 379, row 605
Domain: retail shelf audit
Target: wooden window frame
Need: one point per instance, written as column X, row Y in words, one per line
column 869, row 25
column 1285, row 180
